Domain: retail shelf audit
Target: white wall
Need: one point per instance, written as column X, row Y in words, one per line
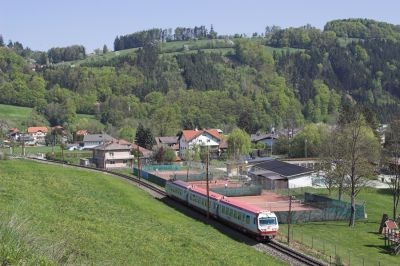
column 301, row 181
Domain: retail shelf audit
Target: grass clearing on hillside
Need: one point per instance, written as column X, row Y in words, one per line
column 357, row 245
column 101, row 219
column 14, row 115
column 18, row 116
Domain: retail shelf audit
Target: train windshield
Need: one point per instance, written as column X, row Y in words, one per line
column 267, row 221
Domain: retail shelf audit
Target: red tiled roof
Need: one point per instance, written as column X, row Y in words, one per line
column 81, row 132
column 123, row 142
column 37, row 129
column 191, row 134
column 144, row 151
column 214, row 133
column 13, row 130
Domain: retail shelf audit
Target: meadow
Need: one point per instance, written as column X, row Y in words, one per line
column 361, row 245
column 74, row 216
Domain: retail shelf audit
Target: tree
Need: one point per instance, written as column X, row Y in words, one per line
column 393, row 151
column 239, row 143
column 162, row 154
column 144, row 137
column 105, row 49
column 360, row 154
column 331, row 156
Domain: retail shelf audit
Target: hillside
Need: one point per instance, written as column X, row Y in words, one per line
column 90, row 218
column 223, row 46
column 285, row 78
column 22, row 117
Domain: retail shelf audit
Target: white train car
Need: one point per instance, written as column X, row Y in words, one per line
column 197, row 197
column 255, row 221
column 177, row 189
column 249, row 218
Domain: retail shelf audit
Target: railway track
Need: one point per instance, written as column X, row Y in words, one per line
column 290, row 255
column 294, row 254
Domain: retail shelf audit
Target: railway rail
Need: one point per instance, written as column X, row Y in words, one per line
column 292, row 256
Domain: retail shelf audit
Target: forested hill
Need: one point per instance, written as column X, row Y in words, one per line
column 282, row 78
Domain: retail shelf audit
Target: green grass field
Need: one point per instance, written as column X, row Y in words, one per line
column 358, row 244
column 14, row 115
column 177, row 47
column 17, row 116
column 84, row 217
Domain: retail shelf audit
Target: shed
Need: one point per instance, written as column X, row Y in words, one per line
column 274, row 174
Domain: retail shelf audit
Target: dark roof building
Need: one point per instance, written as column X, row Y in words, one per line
column 274, row 174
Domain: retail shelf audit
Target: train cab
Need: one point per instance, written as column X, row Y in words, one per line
column 267, row 224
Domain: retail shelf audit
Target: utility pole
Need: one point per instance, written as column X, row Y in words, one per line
column 138, row 162
column 289, row 218
column 208, row 191
column 305, row 147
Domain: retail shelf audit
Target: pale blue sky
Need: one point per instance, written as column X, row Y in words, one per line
column 42, row 24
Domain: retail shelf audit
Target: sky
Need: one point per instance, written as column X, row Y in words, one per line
column 42, row 24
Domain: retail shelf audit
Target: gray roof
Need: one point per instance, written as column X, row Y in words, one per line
column 111, row 147
column 258, row 137
column 282, row 168
column 167, row 140
column 97, row 137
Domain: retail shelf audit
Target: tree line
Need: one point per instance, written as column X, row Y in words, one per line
column 140, row 38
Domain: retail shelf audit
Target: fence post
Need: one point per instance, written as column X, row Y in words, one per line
column 312, row 242
column 335, row 251
column 349, row 258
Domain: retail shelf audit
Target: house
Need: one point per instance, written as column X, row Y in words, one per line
column 13, row 134
column 146, row 155
column 38, row 134
column 267, row 139
column 112, row 155
column 210, row 138
column 274, row 174
column 92, row 140
column 170, row 142
column 27, row 139
column 80, row 134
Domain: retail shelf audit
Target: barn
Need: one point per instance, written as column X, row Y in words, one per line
column 275, row 174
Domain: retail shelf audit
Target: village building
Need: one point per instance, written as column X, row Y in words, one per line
column 169, row 142
column 92, row 140
column 112, row 155
column 13, row 134
column 209, row 138
column 275, row 174
column 38, row 134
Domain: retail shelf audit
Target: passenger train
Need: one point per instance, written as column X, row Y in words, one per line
column 261, row 224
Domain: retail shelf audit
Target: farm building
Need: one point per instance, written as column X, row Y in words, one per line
column 274, row 174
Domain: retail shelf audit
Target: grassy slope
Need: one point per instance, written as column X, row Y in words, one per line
column 173, row 48
column 17, row 116
column 103, row 220
column 361, row 242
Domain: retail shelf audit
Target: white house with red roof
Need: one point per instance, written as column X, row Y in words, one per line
column 38, row 133
column 192, row 138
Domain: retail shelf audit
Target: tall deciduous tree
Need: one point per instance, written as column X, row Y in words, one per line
column 239, row 143
column 393, row 152
column 360, row 153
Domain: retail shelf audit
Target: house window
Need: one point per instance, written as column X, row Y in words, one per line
column 111, row 154
column 111, row 162
column 125, row 161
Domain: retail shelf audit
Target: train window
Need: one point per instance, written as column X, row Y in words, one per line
column 247, row 219
column 254, row 220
